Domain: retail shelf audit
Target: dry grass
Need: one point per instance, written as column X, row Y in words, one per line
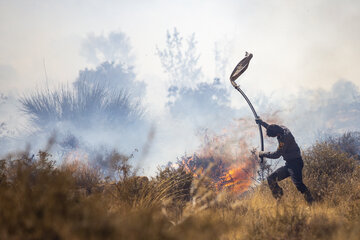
column 74, row 201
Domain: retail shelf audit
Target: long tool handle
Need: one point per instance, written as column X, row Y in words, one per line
column 255, row 115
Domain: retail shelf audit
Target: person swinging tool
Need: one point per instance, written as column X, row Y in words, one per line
column 290, row 151
column 288, row 148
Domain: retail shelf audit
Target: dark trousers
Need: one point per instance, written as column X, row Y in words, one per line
column 291, row 169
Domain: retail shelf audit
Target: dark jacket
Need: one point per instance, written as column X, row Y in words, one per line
column 287, row 148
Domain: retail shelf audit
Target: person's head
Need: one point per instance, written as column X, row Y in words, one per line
column 274, row 130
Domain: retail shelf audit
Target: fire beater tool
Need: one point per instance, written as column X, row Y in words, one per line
column 240, row 69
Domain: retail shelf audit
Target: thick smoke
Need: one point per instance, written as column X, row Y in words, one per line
column 191, row 98
column 97, row 113
column 115, row 47
column 310, row 114
column 315, row 113
column 8, row 77
column 7, row 105
column 179, row 60
column 115, row 76
column 194, row 104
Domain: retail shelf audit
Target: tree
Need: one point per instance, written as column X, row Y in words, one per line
column 180, row 62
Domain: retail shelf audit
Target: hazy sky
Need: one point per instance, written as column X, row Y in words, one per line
column 295, row 43
column 298, row 46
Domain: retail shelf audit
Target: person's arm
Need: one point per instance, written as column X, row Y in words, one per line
column 273, row 155
column 261, row 122
column 283, row 144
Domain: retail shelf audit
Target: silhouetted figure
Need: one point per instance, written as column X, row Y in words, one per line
column 290, row 151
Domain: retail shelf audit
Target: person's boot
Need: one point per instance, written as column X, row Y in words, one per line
column 277, row 192
column 308, row 197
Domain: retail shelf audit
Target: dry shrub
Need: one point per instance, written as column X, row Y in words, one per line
column 168, row 191
column 126, row 193
column 86, row 177
column 37, row 201
column 40, row 201
column 173, row 183
column 121, row 185
column 331, row 173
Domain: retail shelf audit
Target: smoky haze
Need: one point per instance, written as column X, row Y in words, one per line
column 193, row 103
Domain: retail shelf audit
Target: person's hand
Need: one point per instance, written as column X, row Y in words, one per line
column 258, row 120
column 261, row 154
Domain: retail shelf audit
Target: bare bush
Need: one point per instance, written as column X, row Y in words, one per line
column 326, row 168
column 86, row 177
column 348, row 142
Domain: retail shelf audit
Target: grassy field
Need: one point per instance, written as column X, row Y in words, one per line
column 39, row 200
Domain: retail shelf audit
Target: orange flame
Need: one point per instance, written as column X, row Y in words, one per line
column 238, row 178
column 233, row 169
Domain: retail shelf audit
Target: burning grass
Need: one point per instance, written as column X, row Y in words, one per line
column 230, row 165
column 75, row 201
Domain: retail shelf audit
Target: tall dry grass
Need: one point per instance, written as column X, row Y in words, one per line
column 39, row 200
